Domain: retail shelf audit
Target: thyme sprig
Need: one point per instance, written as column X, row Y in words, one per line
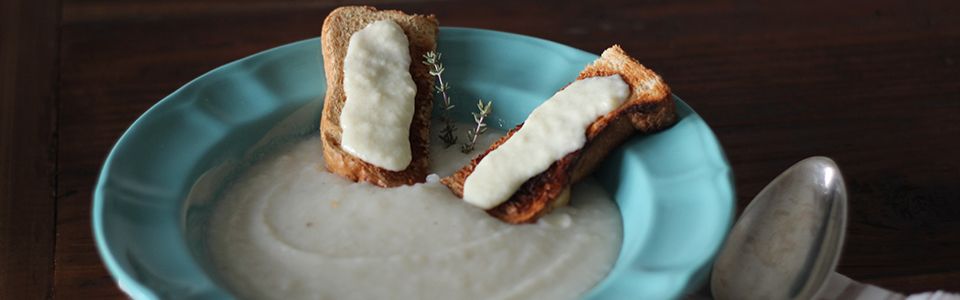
column 432, row 59
column 481, row 128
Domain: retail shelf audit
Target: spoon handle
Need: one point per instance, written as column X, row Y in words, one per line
column 842, row 287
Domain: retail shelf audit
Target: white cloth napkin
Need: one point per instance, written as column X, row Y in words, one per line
column 841, row 287
column 938, row 295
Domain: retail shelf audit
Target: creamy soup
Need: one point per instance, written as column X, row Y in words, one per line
column 288, row 229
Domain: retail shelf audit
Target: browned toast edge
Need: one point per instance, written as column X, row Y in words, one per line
column 649, row 109
column 421, row 33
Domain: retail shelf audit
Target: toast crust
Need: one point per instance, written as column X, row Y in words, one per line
column 649, row 108
column 421, row 32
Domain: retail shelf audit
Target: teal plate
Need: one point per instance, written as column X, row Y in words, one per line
column 674, row 188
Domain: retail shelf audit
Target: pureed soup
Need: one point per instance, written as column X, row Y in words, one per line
column 288, row 229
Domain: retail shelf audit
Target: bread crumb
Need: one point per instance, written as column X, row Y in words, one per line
column 334, row 204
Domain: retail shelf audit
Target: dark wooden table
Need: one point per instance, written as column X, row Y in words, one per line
column 874, row 85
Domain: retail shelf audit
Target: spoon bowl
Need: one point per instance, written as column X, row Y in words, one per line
column 788, row 240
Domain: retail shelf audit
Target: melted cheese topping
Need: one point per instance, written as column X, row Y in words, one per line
column 552, row 130
column 380, row 96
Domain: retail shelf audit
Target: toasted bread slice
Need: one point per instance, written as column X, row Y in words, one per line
column 421, row 32
column 649, row 108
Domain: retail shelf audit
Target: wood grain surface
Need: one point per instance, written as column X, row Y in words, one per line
column 28, row 146
column 873, row 84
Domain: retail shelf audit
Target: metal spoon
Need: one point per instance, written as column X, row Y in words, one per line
column 788, row 240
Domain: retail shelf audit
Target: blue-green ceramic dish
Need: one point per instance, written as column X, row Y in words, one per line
column 674, row 188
